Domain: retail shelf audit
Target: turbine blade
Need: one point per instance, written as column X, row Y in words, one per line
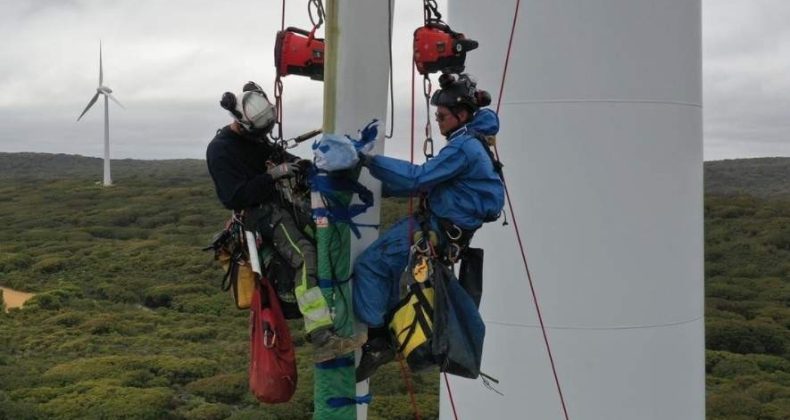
column 115, row 100
column 101, row 70
column 90, row 104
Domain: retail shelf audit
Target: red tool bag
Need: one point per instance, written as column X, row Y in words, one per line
column 272, row 356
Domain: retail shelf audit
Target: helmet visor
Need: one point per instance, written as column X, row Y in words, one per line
column 257, row 111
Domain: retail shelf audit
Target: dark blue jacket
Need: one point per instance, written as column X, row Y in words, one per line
column 238, row 167
column 461, row 182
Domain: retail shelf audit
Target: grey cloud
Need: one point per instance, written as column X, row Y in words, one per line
column 168, row 62
column 746, row 58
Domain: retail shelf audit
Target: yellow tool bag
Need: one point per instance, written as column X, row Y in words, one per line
column 239, row 278
column 411, row 321
column 231, row 252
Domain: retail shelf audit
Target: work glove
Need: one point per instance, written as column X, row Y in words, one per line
column 283, row 170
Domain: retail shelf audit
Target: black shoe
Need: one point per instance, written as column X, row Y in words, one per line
column 376, row 352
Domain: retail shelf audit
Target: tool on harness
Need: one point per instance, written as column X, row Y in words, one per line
column 231, row 252
column 299, row 52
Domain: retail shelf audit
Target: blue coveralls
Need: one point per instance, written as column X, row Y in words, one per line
column 462, row 187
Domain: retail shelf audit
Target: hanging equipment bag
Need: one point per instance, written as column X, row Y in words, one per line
column 458, row 329
column 272, row 358
column 470, row 275
column 410, row 322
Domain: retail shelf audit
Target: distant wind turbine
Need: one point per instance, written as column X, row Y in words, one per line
column 107, row 92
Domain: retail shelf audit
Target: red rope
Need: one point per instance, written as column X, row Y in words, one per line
column 450, row 394
column 410, row 388
column 515, row 224
column 412, row 397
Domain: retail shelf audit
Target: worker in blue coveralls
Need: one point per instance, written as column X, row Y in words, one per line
column 462, row 188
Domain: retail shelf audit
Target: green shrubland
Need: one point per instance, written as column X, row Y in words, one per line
column 129, row 319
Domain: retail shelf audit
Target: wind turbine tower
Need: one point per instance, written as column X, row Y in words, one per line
column 107, row 92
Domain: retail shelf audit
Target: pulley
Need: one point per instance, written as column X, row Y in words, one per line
column 439, row 48
column 299, row 52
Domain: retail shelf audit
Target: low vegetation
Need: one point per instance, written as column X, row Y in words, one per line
column 128, row 318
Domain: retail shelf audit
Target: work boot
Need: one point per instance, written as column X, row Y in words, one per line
column 327, row 345
column 376, row 352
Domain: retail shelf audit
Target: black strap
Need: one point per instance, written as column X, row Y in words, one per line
column 409, row 333
column 428, row 308
column 421, row 315
column 497, row 164
column 228, row 274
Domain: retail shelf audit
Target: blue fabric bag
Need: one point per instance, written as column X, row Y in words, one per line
column 458, row 328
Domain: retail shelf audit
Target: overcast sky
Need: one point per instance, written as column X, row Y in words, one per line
column 169, row 61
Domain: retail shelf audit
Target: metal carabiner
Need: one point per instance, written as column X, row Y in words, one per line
column 454, row 228
column 278, row 107
column 427, row 147
column 422, row 246
column 453, row 252
column 269, row 336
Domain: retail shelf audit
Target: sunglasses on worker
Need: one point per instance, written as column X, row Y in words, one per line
column 441, row 116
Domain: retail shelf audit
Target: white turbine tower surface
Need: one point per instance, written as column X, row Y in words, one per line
column 602, row 145
column 107, row 92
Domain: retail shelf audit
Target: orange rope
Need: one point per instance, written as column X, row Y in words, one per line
column 409, row 387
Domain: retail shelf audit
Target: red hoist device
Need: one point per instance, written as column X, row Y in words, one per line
column 299, row 52
column 437, row 48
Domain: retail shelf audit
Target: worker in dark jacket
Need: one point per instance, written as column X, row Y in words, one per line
column 246, row 168
column 462, row 190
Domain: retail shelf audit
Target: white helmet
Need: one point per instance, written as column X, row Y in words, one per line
column 254, row 111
